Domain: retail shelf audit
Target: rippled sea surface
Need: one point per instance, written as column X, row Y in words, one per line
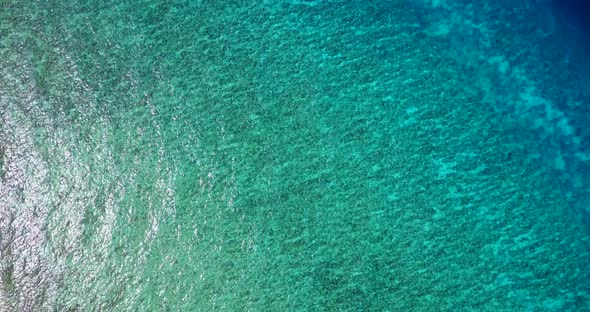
column 275, row 155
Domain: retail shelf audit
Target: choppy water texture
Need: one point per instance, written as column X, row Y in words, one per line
column 293, row 156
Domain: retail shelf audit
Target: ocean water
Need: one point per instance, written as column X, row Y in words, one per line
column 294, row 155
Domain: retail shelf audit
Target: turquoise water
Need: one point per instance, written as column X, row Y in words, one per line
column 292, row 156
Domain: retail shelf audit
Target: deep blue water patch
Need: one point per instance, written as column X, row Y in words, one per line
column 575, row 13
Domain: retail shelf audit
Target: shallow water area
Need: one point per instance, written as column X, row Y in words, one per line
column 292, row 156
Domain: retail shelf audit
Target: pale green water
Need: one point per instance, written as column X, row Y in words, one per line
column 276, row 156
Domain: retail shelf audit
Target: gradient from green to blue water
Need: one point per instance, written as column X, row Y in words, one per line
column 291, row 156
